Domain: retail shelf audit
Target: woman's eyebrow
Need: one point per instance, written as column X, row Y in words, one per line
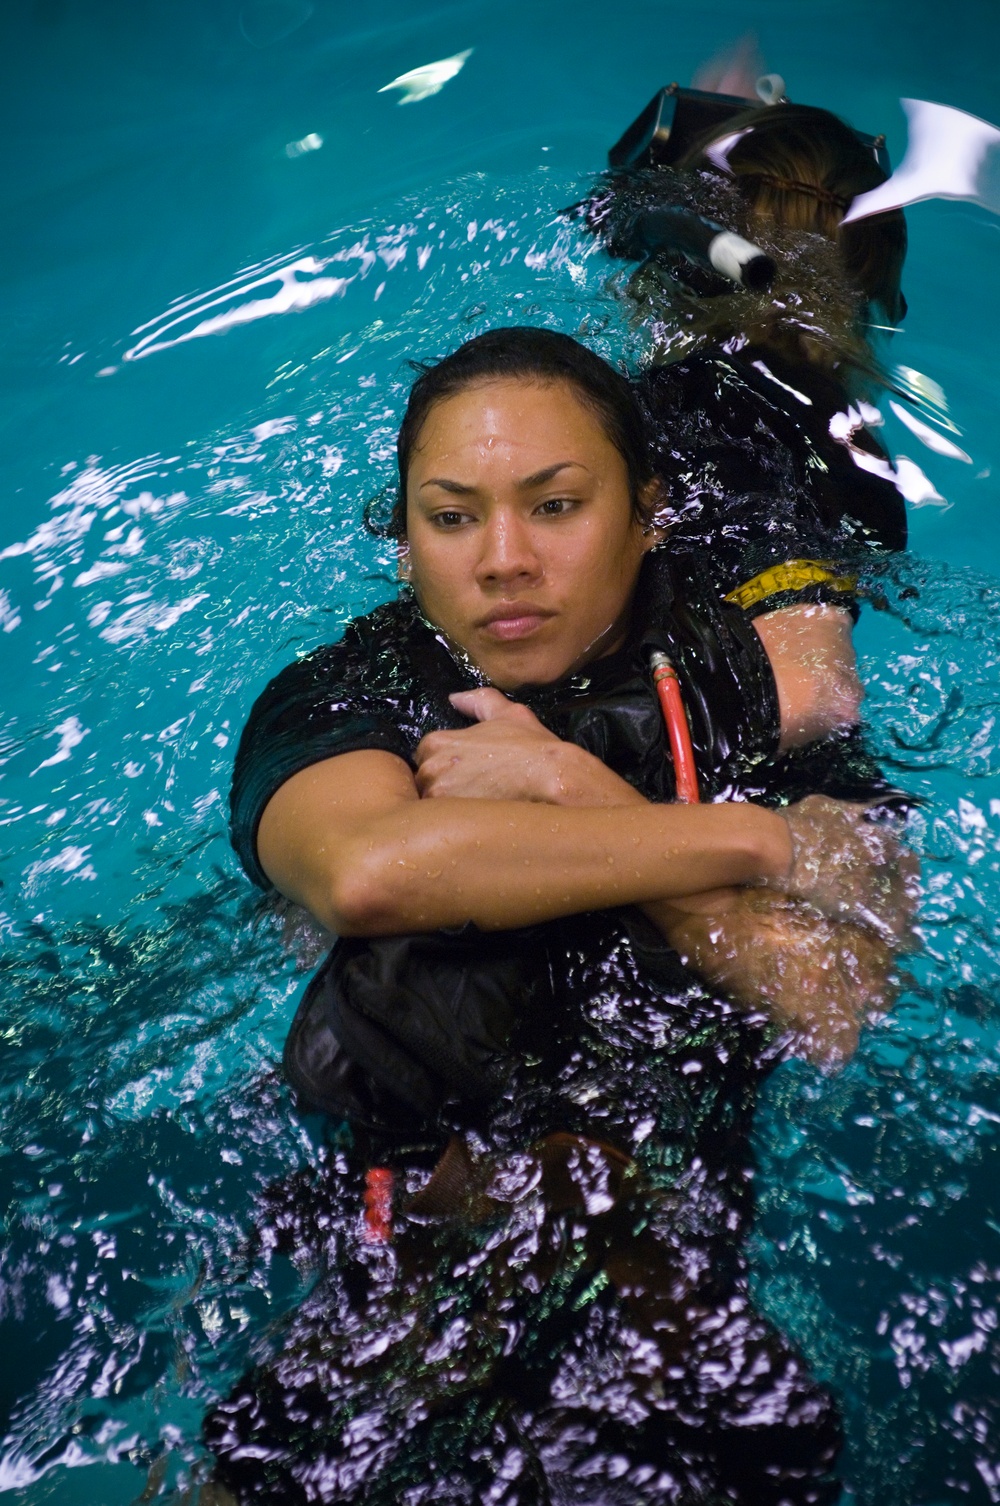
column 526, row 483
column 539, row 478
column 448, row 486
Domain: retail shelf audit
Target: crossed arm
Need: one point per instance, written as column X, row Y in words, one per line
column 352, row 840
column 505, row 825
column 815, row 945
column 372, row 850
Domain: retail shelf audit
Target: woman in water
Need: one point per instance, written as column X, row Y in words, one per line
column 473, row 788
column 761, row 400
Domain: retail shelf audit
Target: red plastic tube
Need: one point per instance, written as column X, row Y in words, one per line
column 668, row 689
column 378, row 1205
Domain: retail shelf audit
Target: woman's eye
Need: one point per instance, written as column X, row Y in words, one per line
column 552, row 507
column 449, row 519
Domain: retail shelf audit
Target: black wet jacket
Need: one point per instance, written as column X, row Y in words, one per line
column 747, row 444
column 402, row 1033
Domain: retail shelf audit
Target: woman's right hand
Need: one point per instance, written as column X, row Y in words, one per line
column 849, row 867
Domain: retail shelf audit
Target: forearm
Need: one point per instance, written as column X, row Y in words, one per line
column 368, row 852
column 503, row 864
column 816, row 977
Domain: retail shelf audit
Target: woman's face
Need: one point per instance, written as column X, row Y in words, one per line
column 521, row 545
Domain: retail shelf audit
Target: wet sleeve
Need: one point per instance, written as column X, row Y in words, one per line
column 313, row 710
column 841, row 765
column 733, row 492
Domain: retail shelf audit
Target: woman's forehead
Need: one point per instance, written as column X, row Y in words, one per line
column 510, row 414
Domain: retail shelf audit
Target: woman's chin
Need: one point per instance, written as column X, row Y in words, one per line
column 522, row 663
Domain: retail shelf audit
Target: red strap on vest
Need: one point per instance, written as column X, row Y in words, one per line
column 668, row 688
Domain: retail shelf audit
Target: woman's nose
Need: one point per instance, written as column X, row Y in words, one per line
column 508, row 552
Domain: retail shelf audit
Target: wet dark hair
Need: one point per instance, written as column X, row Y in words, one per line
column 523, row 353
column 800, row 167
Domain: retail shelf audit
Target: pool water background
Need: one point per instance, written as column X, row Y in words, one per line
column 182, row 515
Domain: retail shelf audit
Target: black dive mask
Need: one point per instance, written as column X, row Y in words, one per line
column 675, row 119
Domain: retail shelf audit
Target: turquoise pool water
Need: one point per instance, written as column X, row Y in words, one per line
column 205, row 337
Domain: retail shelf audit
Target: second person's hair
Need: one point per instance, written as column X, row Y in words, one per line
column 801, row 166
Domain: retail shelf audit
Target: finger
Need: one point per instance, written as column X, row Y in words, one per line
column 430, row 776
column 428, row 746
column 489, row 705
column 426, row 785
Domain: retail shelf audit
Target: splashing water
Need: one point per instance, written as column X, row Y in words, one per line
column 147, row 991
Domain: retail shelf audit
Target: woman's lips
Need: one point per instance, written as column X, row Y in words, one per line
column 520, row 622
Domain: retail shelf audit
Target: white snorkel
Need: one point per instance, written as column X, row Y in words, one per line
column 949, row 155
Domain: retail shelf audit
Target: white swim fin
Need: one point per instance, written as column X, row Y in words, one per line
column 949, row 155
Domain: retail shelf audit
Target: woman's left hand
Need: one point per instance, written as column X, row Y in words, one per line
column 818, row 977
column 509, row 755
